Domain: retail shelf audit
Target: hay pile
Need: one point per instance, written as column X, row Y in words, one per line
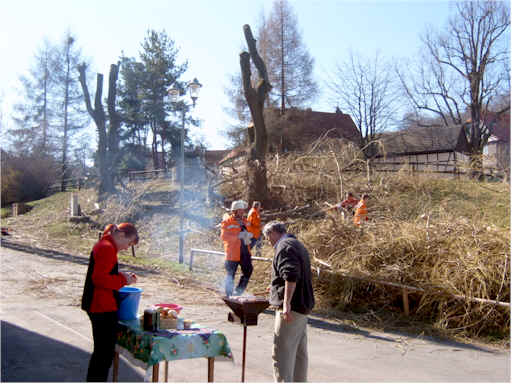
column 446, row 237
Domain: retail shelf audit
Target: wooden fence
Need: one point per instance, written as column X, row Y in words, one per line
column 72, row 184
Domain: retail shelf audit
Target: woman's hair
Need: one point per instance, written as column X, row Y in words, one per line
column 272, row 226
column 128, row 229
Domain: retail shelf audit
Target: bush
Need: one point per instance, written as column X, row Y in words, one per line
column 26, row 177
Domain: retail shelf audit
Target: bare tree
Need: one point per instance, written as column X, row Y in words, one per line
column 34, row 116
column 463, row 70
column 255, row 96
column 365, row 89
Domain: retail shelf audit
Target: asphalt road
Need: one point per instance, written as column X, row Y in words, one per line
column 47, row 338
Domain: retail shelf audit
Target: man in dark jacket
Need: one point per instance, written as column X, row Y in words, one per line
column 291, row 293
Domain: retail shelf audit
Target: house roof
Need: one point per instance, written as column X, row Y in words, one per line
column 339, row 125
column 313, row 125
column 424, row 140
column 233, row 154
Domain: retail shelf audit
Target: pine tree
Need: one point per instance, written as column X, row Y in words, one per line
column 159, row 60
column 72, row 117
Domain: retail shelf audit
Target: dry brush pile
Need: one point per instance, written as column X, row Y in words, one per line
column 448, row 238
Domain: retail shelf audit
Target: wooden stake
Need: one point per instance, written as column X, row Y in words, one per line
column 405, row 298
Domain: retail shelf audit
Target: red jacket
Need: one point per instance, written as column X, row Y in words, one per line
column 349, row 203
column 105, row 258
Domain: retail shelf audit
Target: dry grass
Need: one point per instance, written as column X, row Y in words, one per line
column 445, row 236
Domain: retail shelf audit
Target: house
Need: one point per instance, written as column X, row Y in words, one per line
column 497, row 151
column 440, row 149
column 296, row 130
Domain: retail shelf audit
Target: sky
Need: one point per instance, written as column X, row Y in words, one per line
column 209, row 36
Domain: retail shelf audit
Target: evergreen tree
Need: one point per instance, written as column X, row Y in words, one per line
column 71, row 116
column 289, row 65
column 159, row 61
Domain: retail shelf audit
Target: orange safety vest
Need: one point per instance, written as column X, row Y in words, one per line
column 229, row 231
column 361, row 213
column 254, row 222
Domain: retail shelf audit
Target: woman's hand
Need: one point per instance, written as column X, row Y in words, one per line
column 131, row 278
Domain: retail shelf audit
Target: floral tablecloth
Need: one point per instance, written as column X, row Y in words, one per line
column 172, row 344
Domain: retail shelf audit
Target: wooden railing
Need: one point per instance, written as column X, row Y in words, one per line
column 67, row 185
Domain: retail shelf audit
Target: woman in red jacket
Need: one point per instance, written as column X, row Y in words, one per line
column 100, row 297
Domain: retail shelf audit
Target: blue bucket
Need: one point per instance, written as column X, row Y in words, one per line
column 129, row 298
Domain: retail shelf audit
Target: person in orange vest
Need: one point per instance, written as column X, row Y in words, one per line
column 254, row 221
column 236, row 240
column 361, row 211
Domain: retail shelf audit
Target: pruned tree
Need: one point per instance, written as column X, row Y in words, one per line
column 364, row 88
column 256, row 165
column 108, row 138
column 289, row 68
column 464, row 68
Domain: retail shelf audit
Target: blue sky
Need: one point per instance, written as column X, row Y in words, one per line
column 209, row 35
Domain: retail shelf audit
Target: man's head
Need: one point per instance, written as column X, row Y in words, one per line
column 273, row 231
column 365, row 196
column 238, row 207
column 350, row 194
column 256, row 204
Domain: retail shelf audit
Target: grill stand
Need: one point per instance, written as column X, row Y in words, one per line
column 243, row 353
column 245, row 313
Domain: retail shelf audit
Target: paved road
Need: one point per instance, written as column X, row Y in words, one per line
column 47, row 338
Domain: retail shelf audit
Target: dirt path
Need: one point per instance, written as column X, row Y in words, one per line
column 46, row 337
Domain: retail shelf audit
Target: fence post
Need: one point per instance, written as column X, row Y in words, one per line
column 191, row 260
column 405, row 298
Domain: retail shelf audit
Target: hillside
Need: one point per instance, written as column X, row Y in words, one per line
column 445, row 237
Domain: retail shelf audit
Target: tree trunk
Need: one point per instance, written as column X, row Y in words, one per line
column 256, row 165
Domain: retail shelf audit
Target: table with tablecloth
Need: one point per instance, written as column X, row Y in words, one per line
column 151, row 348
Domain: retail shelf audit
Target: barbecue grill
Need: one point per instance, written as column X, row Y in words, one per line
column 245, row 310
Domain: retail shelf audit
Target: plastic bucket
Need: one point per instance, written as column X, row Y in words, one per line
column 129, row 298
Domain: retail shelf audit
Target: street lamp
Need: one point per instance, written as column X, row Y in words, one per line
column 174, row 93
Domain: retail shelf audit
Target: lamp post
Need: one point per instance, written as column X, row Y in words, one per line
column 174, row 93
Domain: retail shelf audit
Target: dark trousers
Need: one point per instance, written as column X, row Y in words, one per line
column 104, row 333
column 231, row 267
